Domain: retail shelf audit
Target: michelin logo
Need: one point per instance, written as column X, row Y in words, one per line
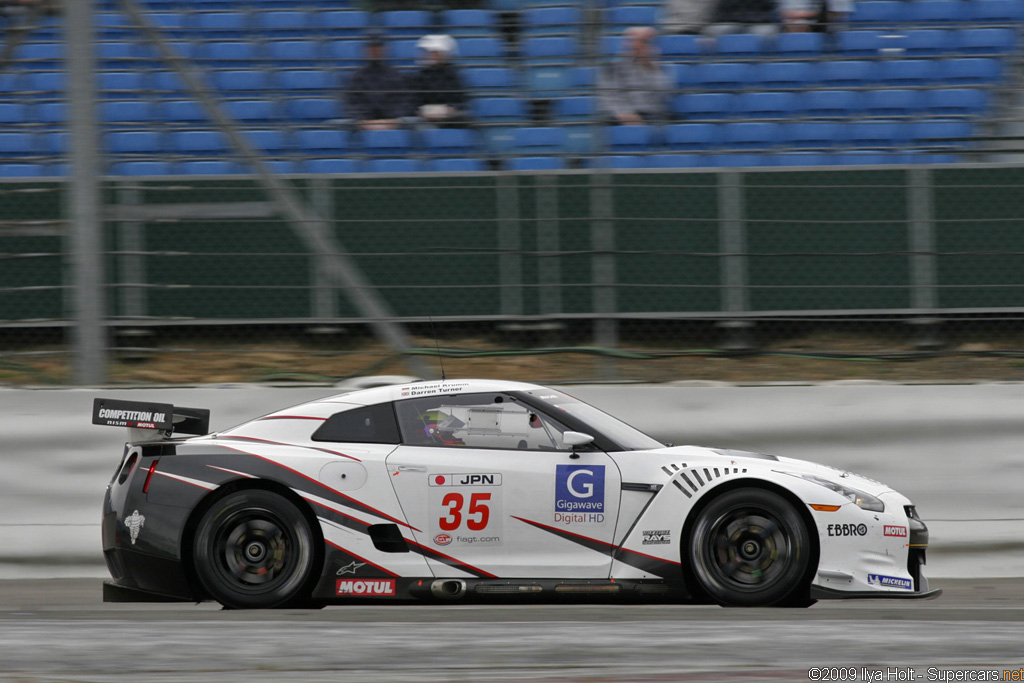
column 579, row 488
column 890, row 581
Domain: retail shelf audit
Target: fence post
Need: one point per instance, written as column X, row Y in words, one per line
column 89, row 362
column 732, row 241
column 921, row 225
column 602, row 241
column 510, row 262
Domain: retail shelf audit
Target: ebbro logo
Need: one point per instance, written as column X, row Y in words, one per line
column 442, row 539
column 890, row 581
column 366, row 588
column 579, row 494
column 847, row 529
column 892, row 530
column 135, row 522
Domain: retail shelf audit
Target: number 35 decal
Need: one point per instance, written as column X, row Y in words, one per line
column 477, row 514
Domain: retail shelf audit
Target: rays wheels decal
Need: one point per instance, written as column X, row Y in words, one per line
column 254, row 549
column 750, row 547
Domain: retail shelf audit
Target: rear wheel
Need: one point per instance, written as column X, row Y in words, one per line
column 254, row 549
column 750, row 547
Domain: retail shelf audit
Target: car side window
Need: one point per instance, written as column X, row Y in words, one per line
column 369, row 424
column 491, row 420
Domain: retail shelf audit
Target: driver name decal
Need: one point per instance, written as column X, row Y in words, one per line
column 579, row 494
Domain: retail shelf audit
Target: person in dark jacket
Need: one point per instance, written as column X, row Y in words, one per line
column 436, row 89
column 377, row 96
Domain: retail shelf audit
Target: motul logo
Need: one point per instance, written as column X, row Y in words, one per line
column 366, row 587
column 891, row 530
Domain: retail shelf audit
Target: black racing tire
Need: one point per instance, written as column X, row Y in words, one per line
column 750, row 548
column 254, row 549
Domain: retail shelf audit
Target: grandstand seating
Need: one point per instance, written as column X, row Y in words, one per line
column 909, row 80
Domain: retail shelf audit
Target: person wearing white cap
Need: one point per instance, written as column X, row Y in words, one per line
column 436, row 89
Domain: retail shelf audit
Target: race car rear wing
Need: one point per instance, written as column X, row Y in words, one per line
column 150, row 421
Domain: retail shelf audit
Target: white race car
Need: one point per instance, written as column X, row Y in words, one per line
column 479, row 489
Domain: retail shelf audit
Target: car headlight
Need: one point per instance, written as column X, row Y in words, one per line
column 864, row 501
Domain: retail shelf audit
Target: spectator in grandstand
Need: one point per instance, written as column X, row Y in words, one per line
column 815, row 15
column 377, row 96
column 688, row 16
column 746, row 16
column 436, row 89
column 633, row 90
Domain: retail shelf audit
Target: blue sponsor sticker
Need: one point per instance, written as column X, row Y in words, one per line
column 890, row 581
column 579, row 488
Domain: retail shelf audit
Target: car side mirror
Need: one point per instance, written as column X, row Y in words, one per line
column 575, row 439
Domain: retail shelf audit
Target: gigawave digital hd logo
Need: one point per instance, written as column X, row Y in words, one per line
column 579, row 488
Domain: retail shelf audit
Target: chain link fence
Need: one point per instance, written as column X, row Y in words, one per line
column 235, row 262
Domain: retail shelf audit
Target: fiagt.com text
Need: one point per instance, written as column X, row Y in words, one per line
column 839, row 674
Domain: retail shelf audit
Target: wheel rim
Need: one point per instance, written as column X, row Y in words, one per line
column 748, row 549
column 254, row 551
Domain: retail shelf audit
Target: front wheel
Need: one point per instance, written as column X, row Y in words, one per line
column 750, row 547
column 254, row 549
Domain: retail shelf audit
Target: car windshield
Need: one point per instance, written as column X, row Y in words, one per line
column 626, row 437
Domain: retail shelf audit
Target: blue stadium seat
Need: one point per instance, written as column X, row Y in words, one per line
column 692, row 136
column 393, row 166
column 134, row 142
column 296, row 80
column 792, row 158
column 250, row 111
column 860, row 43
column 543, row 82
column 198, row 142
column 539, row 140
column 675, row 47
column 333, row 166
column 617, row 161
column 481, row 51
column 678, row 161
column 219, row 24
column 54, row 143
column 996, row 11
column 747, row 160
column 832, row 104
column 623, row 16
column 470, row 22
column 970, row 71
column 181, row 111
column 141, row 168
column 327, row 142
column 450, row 142
column 18, row 144
column 226, row 53
column 749, row 135
column 610, row 46
column 799, row 44
column 583, row 76
column 133, row 111
column 241, row 80
column 284, row 166
column 320, row 109
column 815, row 134
column 167, row 83
column 490, row 79
column 403, row 53
column 704, row 106
column 909, row 72
column 626, row 139
column 927, row 42
column 22, row 170
column 723, row 75
column 348, row 53
column 788, row 75
column 343, row 23
column 39, row 55
column 878, row 134
column 740, row 45
column 110, row 52
column 535, row 164
column 549, row 49
column 985, row 41
column 683, row 76
column 390, row 143
column 170, row 23
column 210, row 167
column 282, row 22
column 878, row 12
column 582, row 108
column 112, row 25
column 956, row 101
column 941, row 134
column 547, row 21
column 407, row 23
column 270, row 140
column 52, row 112
column 767, row 105
column 47, row 81
column 938, row 11
column 459, row 165
column 498, row 109
column 893, row 102
column 848, row 73
column 293, row 52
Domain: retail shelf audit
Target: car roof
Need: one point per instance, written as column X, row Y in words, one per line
column 397, row 392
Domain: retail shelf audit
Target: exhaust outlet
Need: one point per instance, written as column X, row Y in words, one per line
column 448, row 589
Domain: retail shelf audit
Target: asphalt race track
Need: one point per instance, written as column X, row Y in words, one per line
column 60, row 630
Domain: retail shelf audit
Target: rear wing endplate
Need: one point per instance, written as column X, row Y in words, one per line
column 154, row 417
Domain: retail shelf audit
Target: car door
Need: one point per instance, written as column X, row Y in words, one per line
column 492, row 491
